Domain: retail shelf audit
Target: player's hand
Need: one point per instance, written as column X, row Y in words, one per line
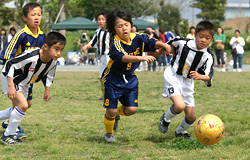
column 195, row 75
column 148, row 58
column 11, row 92
column 46, row 96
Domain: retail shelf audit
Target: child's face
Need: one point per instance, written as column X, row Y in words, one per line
column 34, row 17
column 55, row 51
column 203, row 39
column 101, row 20
column 123, row 29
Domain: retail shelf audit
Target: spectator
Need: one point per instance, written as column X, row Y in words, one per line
column 191, row 34
column 162, row 36
column 11, row 34
column 3, row 39
column 134, row 29
column 237, row 43
column 219, row 40
column 162, row 59
column 169, row 36
column 151, row 32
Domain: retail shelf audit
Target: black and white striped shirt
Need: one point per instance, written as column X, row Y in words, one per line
column 27, row 68
column 101, row 41
column 188, row 58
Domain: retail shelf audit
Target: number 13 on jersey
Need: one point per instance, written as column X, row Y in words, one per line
column 186, row 69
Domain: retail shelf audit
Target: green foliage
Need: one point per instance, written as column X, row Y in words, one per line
column 212, row 10
column 137, row 8
column 168, row 17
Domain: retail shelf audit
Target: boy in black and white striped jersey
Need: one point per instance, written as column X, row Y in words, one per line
column 192, row 61
column 30, row 67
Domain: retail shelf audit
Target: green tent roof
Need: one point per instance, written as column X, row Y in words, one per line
column 76, row 23
column 142, row 24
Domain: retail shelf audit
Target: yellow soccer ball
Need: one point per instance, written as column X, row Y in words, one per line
column 209, row 129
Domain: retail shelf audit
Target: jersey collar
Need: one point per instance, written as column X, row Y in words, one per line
column 131, row 36
column 27, row 30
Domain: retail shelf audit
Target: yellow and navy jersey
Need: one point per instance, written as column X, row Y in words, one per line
column 116, row 69
column 23, row 40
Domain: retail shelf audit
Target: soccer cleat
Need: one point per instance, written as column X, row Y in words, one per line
column 6, row 123
column 21, row 135
column 109, row 137
column 163, row 125
column 117, row 118
column 10, row 140
column 185, row 136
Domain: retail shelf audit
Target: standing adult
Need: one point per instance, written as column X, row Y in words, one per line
column 3, row 39
column 219, row 40
column 237, row 44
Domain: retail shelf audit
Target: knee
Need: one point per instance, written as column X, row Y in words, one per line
column 131, row 110
column 111, row 112
column 179, row 107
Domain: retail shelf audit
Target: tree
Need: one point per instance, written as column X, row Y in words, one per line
column 169, row 17
column 211, row 10
column 137, row 8
column 6, row 14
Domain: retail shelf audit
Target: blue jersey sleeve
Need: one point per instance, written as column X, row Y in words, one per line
column 149, row 43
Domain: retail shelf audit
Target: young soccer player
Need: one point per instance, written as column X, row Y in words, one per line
column 192, row 61
column 119, row 80
column 30, row 67
column 29, row 37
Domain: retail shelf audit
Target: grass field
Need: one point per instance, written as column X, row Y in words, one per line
column 70, row 125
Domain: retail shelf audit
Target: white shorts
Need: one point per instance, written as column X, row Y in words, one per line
column 24, row 89
column 103, row 64
column 177, row 85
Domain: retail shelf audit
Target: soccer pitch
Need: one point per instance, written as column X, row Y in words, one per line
column 70, row 125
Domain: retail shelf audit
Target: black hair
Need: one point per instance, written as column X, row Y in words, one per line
column 102, row 13
column 192, row 27
column 31, row 5
column 237, row 31
column 161, row 30
column 136, row 28
column 12, row 29
column 221, row 29
column 2, row 29
column 113, row 16
column 205, row 25
column 54, row 38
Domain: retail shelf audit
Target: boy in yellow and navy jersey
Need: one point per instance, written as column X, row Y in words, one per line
column 30, row 37
column 118, row 79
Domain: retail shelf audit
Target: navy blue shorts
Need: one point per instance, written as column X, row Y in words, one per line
column 30, row 92
column 127, row 97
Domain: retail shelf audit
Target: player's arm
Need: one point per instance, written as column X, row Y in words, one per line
column 84, row 48
column 132, row 59
column 196, row 76
column 47, row 96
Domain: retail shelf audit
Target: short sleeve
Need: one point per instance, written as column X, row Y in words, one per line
column 149, row 43
column 116, row 51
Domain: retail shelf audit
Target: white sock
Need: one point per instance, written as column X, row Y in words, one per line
column 15, row 118
column 184, row 125
column 5, row 113
column 169, row 114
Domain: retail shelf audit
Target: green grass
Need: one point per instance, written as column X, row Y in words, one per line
column 70, row 125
